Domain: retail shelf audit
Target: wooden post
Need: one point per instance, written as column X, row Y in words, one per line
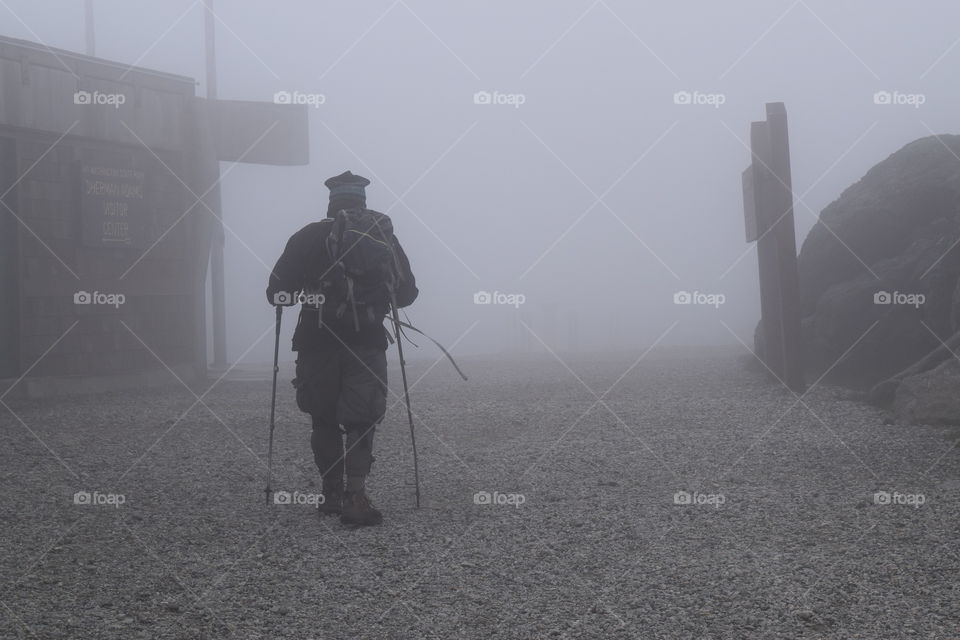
column 10, row 311
column 781, row 203
column 768, row 211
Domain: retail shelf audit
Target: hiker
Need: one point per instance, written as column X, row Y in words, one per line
column 343, row 270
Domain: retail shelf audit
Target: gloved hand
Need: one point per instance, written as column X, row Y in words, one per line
column 284, row 299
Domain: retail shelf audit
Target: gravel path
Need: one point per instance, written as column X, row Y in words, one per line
column 783, row 537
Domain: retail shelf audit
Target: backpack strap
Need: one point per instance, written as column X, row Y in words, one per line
column 320, row 311
column 353, row 304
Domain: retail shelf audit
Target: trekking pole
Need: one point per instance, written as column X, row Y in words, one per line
column 406, row 395
column 273, row 404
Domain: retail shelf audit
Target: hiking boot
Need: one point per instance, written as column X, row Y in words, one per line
column 332, row 502
column 358, row 510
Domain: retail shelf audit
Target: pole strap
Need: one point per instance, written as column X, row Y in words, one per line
column 439, row 346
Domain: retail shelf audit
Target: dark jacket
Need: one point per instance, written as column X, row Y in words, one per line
column 291, row 273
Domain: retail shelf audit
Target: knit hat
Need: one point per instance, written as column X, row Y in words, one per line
column 347, row 185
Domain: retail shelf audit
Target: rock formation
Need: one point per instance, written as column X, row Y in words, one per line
column 880, row 282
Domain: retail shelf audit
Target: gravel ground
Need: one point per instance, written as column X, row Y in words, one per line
column 783, row 537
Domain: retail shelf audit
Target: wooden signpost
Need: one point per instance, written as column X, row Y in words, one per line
column 768, row 216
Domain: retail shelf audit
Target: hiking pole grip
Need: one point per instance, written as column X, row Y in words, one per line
column 273, row 403
column 406, row 395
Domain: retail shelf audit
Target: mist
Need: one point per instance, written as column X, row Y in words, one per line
column 590, row 192
column 568, row 181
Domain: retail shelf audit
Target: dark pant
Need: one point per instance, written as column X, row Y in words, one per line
column 329, row 455
column 342, row 386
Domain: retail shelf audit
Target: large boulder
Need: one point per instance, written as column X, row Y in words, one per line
column 930, row 397
column 895, row 231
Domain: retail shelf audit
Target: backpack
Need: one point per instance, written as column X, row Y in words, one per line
column 355, row 269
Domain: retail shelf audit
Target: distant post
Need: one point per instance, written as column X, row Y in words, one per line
column 217, row 272
column 768, row 214
column 90, row 29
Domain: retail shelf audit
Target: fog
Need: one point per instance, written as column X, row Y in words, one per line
column 597, row 198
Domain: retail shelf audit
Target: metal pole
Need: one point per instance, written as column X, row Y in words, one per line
column 273, row 404
column 210, row 33
column 217, row 276
column 91, row 35
column 406, row 395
